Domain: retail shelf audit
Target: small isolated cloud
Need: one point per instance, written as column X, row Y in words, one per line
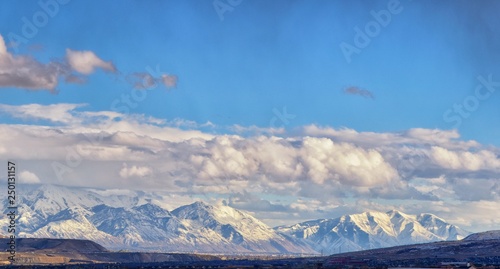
column 353, row 90
column 135, row 171
column 85, row 62
column 27, row 177
column 141, row 80
column 170, row 81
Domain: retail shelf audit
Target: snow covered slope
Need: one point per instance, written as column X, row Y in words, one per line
column 237, row 228
column 489, row 235
column 372, row 230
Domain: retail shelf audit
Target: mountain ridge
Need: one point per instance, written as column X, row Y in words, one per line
column 370, row 230
column 137, row 221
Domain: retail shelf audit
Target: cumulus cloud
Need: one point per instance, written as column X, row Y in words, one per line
column 27, row 177
column 415, row 137
column 353, row 90
column 312, row 160
column 274, row 163
column 348, row 163
column 465, row 160
column 85, row 62
column 27, row 73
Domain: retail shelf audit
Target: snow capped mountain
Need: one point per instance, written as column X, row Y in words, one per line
column 372, row 230
column 441, row 228
column 137, row 221
column 238, row 228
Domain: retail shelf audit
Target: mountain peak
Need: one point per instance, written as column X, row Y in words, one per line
column 393, row 212
column 397, row 214
column 429, row 216
column 201, row 204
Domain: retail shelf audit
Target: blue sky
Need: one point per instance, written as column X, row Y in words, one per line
column 246, row 65
column 285, row 53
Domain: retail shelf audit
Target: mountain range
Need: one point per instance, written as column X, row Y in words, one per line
column 138, row 221
column 370, row 230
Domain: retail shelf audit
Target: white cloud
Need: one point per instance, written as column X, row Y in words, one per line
column 416, row 137
column 134, row 171
column 85, row 62
column 352, row 165
column 3, row 47
column 109, row 122
column 27, row 177
column 465, row 160
column 25, row 72
column 60, row 113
